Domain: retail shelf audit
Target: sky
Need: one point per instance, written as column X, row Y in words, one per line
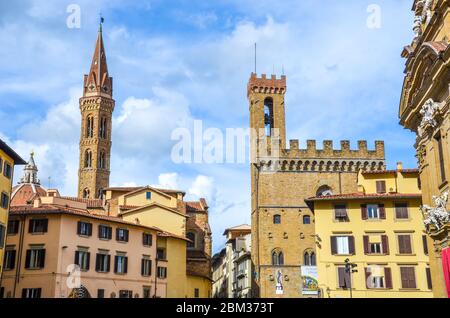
column 177, row 61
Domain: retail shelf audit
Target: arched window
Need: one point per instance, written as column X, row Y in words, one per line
column 309, row 258
column 277, row 219
column 191, row 236
column 103, row 126
column 101, row 160
column 86, row 193
column 100, row 194
column 89, row 127
column 268, row 115
column 306, row 219
column 324, row 191
column 277, row 257
column 87, row 159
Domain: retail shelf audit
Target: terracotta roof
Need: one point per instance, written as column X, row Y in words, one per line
column 11, row 153
column 57, row 209
column 391, row 171
column 26, row 193
column 242, row 227
column 91, row 203
column 167, row 234
column 196, row 206
column 355, row 196
column 128, row 207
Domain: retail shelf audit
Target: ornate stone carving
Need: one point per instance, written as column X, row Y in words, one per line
column 421, row 154
column 438, row 215
column 426, row 12
column 428, row 112
column 417, row 27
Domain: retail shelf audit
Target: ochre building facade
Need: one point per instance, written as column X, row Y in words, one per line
column 281, row 179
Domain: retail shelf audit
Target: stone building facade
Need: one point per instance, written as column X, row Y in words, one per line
column 282, row 178
column 424, row 109
column 96, row 106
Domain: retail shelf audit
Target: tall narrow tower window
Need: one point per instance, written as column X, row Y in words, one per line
column 103, row 126
column 89, row 127
column 101, row 160
column 268, row 116
column 87, row 159
column 86, row 193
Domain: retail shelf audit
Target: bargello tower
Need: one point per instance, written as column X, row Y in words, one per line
column 282, row 177
column 96, row 106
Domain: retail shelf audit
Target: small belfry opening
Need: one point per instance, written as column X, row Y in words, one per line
column 268, row 115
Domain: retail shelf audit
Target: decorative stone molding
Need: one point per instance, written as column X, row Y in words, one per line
column 421, row 155
column 437, row 216
column 429, row 111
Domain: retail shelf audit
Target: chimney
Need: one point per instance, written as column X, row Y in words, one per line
column 399, row 166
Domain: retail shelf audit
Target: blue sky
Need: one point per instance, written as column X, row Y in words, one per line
column 175, row 61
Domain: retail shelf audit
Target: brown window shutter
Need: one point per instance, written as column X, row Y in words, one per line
column 429, row 282
column 367, row 275
column 425, row 244
column 333, row 245
column 366, row 244
column 351, row 245
column 408, row 247
column 382, row 211
column 385, row 244
column 341, row 277
column 401, row 211
column 364, row 211
column 381, row 186
column 388, row 277
column 412, row 277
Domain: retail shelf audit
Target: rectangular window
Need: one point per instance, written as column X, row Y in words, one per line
column 401, row 211
column 146, row 267
column 104, row 232
column 343, row 278
column 125, row 294
column 146, row 292
column 100, row 293
column 408, row 277
column 102, row 263
column 441, row 157
column 35, row 258
column 428, row 274
column 7, row 171
column 38, row 226
column 147, row 239
column 161, row 253
column 375, row 248
column 162, row 272
column 342, row 245
column 404, row 244
column 9, row 261
column 82, row 259
column 31, row 293
column 121, row 235
column 148, row 195
column 2, row 235
column 4, row 200
column 196, row 293
column 425, row 244
column 373, row 212
column 120, row 264
column 13, row 227
column 84, row 228
column 381, row 186
column 340, row 213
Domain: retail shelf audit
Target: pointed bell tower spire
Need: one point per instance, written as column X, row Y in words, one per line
column 96, row 107
column 98, row 80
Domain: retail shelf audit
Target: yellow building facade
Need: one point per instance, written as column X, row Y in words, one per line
column 380, row 231
column 8, row 159
column 424, row 109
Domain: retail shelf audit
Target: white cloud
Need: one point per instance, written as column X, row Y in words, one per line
column 168, row 180
column 203, row 187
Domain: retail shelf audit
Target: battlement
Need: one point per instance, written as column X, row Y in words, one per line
column 327, row 158
column 266, row 85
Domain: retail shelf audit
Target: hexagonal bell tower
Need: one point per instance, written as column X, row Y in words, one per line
column 96, row 106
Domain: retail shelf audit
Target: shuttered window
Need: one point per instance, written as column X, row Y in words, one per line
column 401, row 211
column 340, row 213
column 381, row 186
column 38, row 226
column 82, row 259
column 102, row 263
column 404, row 244
column 104, row 232
column 35, row 258
column 121, row 235
column 343, row 278
column 84, row 228
column 146, row 267
column 428, row 274
column 425, row 244
column 408, row 277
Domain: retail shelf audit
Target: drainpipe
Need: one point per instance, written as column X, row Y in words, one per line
column 19, row 253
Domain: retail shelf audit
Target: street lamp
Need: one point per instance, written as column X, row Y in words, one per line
column 350, row 269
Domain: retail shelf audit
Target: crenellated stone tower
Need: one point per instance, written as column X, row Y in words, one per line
column 96, row 106
column 281, row 179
